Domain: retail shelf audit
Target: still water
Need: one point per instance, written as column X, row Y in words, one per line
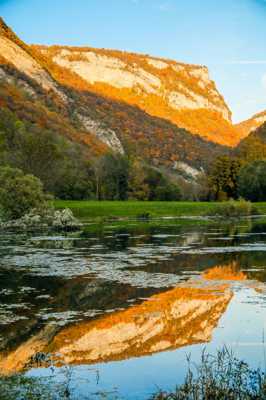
column 126, row 304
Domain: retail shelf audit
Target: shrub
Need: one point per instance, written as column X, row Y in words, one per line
column 234, row 209
column 168, row 192
column 19, row 193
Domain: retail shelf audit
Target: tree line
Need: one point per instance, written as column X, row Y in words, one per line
column 66, row 171
column 242, row 175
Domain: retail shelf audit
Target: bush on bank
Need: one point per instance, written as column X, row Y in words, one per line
column 234, row 209
column 19, row 193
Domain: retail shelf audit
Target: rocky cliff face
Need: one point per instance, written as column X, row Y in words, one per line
column 180, row 86
column 181, row 93
column 16, row 54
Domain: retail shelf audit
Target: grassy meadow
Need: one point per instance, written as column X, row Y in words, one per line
column 131, row 209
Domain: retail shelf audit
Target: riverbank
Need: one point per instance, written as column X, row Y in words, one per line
column 86, row 210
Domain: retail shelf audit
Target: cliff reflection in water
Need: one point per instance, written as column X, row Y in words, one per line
column 182, row 316
column 169, row 320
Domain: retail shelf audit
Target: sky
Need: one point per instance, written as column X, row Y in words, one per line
column 229, row 36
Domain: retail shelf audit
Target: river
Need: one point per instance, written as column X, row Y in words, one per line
column 124, row 304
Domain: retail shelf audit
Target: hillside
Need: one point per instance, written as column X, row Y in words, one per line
column 250, row 125
column 181, row 93
column 42, row 92
column 253, row 147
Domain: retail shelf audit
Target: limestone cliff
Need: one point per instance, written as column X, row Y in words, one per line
column 181, row 93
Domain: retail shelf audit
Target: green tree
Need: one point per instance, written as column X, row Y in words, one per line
column 252, row 181
column 223, row 177
column 19, row 193
column 160, row 186
column 138, row 188
column 168, row 192
column 61, row 165
column 253, row 147
column 149, row 183
column 111, row 176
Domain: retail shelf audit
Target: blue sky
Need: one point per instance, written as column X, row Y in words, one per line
column 229, row 36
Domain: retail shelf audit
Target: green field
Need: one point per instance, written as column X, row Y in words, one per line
column 131, row 209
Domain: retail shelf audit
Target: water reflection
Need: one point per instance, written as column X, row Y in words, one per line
column 169, row 320
column 179, row 317
column 129, row 292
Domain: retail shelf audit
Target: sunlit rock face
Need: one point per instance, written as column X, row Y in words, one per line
column 17, row 54
column 25, row 63
column 182, row 86
column 181, row 93
column 112, row 100
column 14, row 52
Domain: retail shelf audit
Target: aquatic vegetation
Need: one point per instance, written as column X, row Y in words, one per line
column 219, row 377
